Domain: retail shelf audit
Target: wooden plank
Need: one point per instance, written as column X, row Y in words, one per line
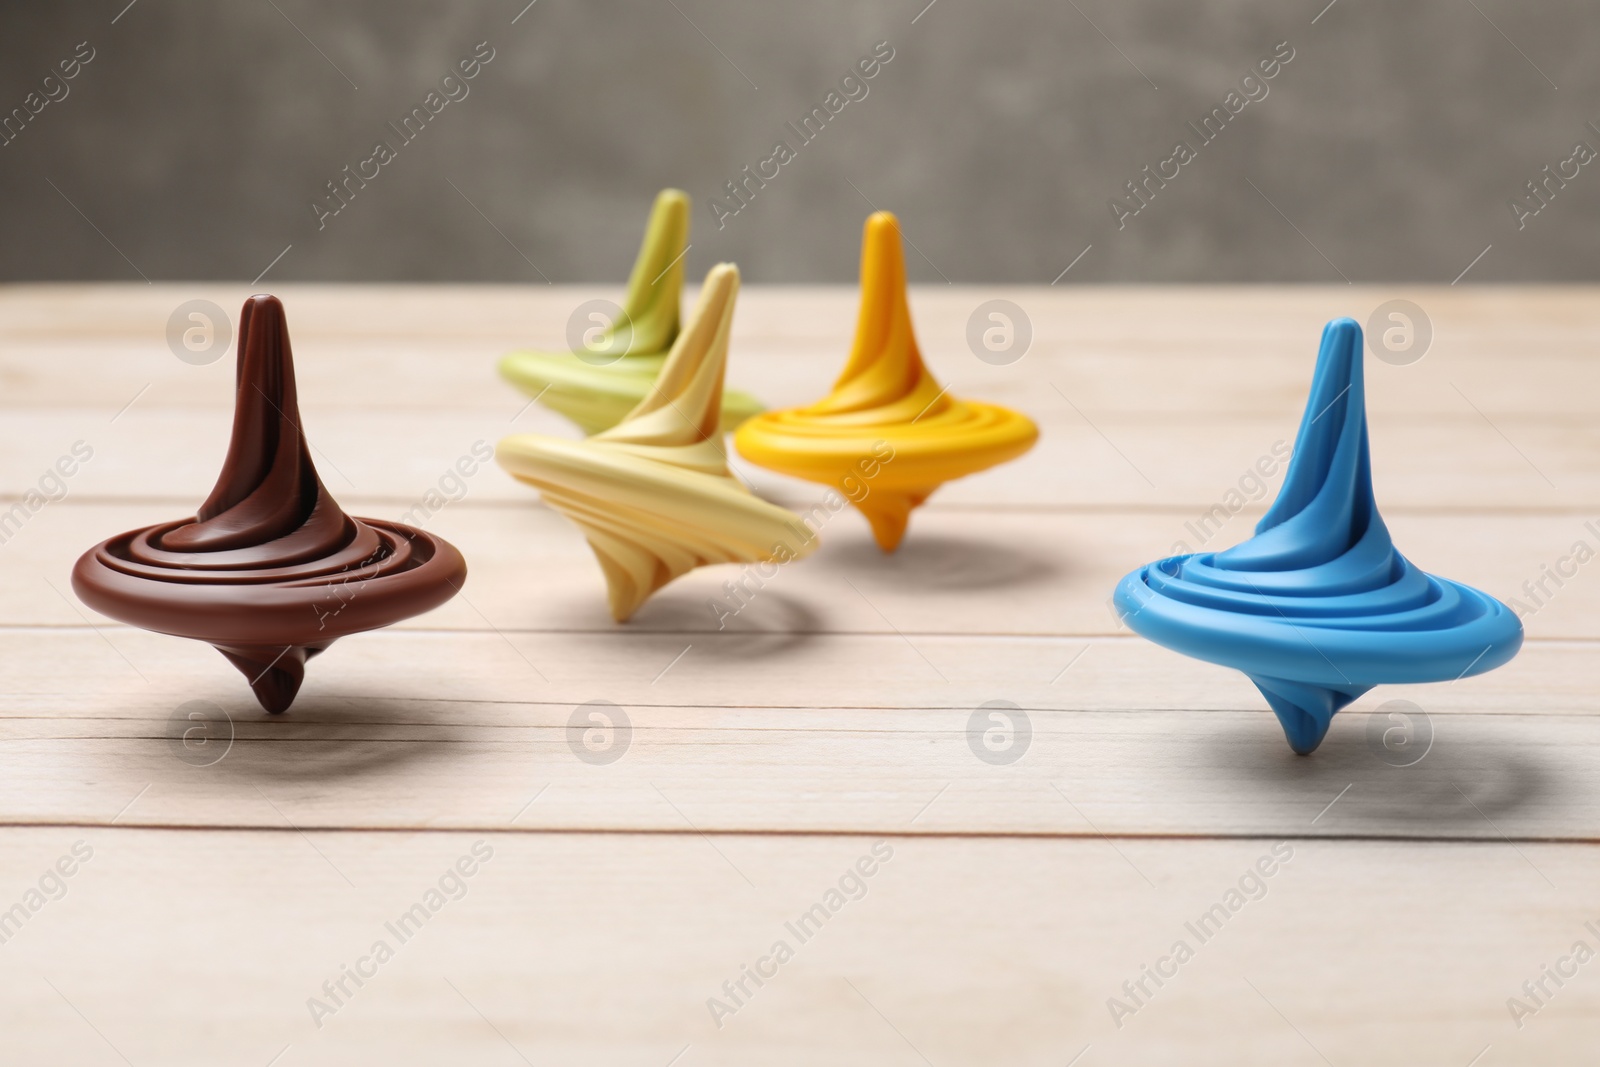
column 743, row 732
column 57, row 673
column 605, row 949
column 838, row 708
column 1167, row 318
column 1164, row 406
column 960, row 572
column 1222, row 352
column 397, row 456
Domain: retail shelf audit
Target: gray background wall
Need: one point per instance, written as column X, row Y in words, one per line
column 201, row 132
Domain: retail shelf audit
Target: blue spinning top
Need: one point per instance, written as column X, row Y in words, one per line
column 1318, row 607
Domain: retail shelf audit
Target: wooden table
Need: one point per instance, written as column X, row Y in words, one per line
column 825, row 732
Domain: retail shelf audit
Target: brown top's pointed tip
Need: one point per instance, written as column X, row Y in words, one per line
column 260, row 312
column 268, row 487
column 270, row 309
column 262, row 318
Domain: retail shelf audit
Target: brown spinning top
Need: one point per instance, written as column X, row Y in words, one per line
column 270, row 571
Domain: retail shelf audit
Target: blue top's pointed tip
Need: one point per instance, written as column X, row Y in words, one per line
column 1329, row 461
column 1341, row 335
column 1339, row 355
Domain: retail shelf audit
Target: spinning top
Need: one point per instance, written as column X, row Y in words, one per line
column 653, row 494
column 1318, row 607
column 885, row 397
column 610, row 369
column 270, row 571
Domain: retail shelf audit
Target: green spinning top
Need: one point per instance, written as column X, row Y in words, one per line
column 614, row 355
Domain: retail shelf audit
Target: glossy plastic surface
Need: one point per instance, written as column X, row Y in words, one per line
column 596, row 388
column 1319, row 606
column 653, row 494
column 885, row 403
column 271, row 570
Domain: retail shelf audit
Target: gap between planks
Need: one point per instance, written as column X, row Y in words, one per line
column 1178, row 510
column 1198, row 837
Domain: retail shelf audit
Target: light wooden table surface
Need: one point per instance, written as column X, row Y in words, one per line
column 829, row 722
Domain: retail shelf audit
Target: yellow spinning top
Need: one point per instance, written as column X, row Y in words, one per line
column 612, row 364
column 653, row 494
column 885, row 397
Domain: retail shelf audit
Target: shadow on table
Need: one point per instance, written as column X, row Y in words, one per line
column 769, row 623
column 940, row 562
column 1466, row 780
column 327, row 736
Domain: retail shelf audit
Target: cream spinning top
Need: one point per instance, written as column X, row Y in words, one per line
column 653, row 494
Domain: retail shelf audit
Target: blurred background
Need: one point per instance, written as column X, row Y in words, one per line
column 1393, row 142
